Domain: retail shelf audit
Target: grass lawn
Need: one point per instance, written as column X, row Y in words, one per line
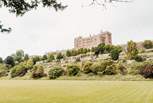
column 58, row 91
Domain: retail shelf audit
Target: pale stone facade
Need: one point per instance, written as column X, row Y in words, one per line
column 93, row 41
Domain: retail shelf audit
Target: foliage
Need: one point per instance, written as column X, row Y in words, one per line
column 72, row 70
column 100, row 49
column 22, row 68
column 132, row 51
column 55, row 72
column 75, row 52
column 44, row 57
column 20, row 7
column 121, row 69
column 148, row 44
column 147, row 71
column 9, row 60
column 18, row 56
column 26, row 57
column 97, row 68
column 36, row 59
column 19, row 70
column 1, row 60
column 134, row 68
column 86, row 67
column 50, row 57
column 3, row 70
column 110, row 70
column 115, row 52
column 59, row 56
column 38, row 72
column 139, row 58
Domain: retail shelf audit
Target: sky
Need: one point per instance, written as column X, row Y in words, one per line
column 44, row 30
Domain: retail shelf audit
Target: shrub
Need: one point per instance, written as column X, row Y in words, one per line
column 147, row 71
column 148, row 44
column 59, row 56
column 97, row 68
column 132, row 50
column 3, row 70
column 121, row 69
column 50, row 57
column 19, row 70
column 135, row 67
column 72, row 70
column 110, row 70
column 55, row 72
column 36, row 59
column 87, row 67
column 139, row 58
column 115, row 52
column 38, row 71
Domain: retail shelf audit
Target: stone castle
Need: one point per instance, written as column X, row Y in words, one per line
column 93, row 41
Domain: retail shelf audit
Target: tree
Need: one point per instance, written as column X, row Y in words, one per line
column 19, row 55
column 20, row 7
column 115, row 52
column 132, row 50
column 148, row 44
column 35, row 59
column 50, row 57
column 59, row 56
column 1, row 60
column 26, row 57
column 9, row 61
column 100, row 49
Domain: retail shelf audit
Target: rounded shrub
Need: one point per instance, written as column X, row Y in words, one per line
column 87, row 67
column 38, row 72
column 110, row 70
column 139, row 59
column 147, row 71
column 73, row 70
column 55, row 72
column 97, row 67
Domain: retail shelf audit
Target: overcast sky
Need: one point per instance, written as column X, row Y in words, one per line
column 44, row 30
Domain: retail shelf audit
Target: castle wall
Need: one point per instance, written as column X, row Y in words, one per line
column 93, row 41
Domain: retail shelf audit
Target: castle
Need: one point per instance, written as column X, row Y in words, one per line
column 93, row 41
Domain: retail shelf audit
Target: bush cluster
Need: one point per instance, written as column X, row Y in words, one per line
column 72, row 70
column 55, row 72
column 38, row 72
column 147, row 71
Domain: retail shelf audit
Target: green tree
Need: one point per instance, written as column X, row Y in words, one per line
column 59, row 56
column 44, row 57
column 115, row 52
column 26, row 57
column 1, row 60
column 9, row 60
column 132, row 50
column 36, row 59
column 50, row 57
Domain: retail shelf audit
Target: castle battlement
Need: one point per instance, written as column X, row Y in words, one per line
column 93, row 41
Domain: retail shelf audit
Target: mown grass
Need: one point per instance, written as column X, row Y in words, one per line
column 62, row 91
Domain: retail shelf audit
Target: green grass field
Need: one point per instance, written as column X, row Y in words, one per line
column 44, row 91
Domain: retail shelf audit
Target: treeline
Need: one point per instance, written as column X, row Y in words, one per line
column 20, row 63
